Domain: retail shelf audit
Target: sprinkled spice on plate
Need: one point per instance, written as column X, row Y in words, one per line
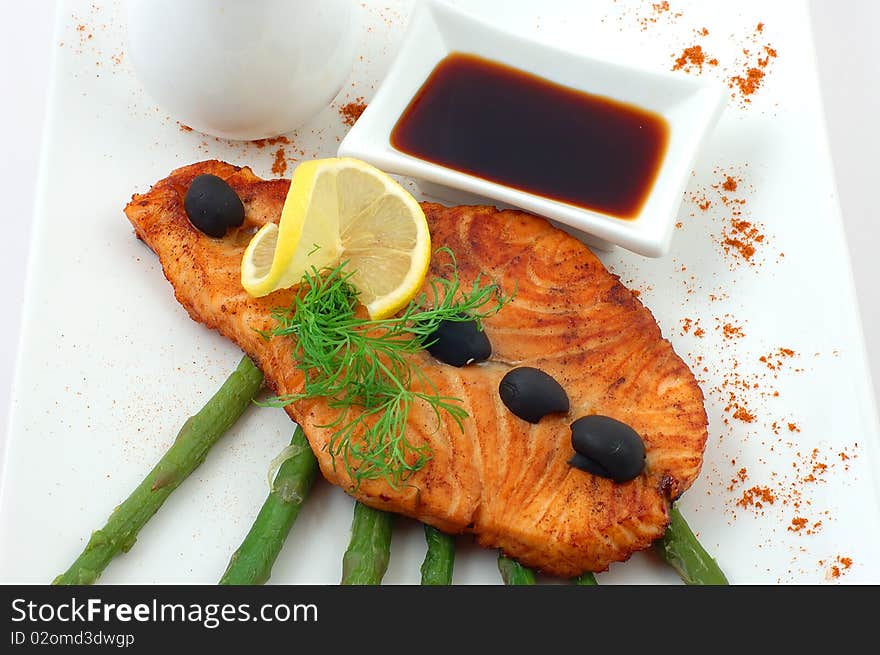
column 752, row 78
column 688, row 323
column 741, row 237
column 731, row 331
column 774, row 360
column 279, row 165
column 745, row 77
column 742, row 414
column 789, row 490
column 647, row 15
column 837, row 567
column 351, row 111
column 800, row 525
column 275, row 140
column 756, row 497
column 693, row 59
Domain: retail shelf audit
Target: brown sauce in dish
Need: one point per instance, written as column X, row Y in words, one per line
column 523, row 131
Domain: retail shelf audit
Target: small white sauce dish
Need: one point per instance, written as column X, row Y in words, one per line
column 241, row 69
column 690, row 106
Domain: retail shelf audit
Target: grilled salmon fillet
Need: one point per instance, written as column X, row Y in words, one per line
column 503, row 479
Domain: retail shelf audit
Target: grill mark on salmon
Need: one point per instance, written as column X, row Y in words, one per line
column 504, row 480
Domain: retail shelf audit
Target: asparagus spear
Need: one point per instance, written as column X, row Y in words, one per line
column 586, row 580
column 368, row 551
column 514, row 573
column 189, row 449
column 439, row 559
column 681, row 550
column 252, row 562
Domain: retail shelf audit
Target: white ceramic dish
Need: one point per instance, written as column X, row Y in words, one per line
column 691, row 107
column 241, row 70
column 110, row 365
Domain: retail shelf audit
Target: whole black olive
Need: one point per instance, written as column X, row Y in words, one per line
column 606, row 447
column 459, row 343
column 531, row 394
column 212, row 206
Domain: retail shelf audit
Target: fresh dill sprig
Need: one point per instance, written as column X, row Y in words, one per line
column 363, row 368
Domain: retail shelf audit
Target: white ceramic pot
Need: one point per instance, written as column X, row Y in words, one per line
column 242, row 69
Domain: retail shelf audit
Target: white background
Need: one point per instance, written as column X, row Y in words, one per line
column 848, row 49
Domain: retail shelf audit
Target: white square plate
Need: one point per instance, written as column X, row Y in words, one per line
column 691, row 106
column 110, row 365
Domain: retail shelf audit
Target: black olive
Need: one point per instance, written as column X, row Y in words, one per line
column 531, row 394
column 606, row 447
column 459, row 343
column 212, row 206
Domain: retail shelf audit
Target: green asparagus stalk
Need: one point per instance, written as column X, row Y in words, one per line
column 681, row 550
column 368, row 551
column 586, row 580
column 252, row 562
column 514, row 573
column 189, row 449
column 439, row 558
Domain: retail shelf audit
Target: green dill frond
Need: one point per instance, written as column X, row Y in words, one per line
column 363, row 368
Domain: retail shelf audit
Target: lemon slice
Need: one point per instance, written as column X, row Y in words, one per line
column 343, row 209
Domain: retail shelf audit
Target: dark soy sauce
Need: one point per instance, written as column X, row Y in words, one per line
column 523, row 131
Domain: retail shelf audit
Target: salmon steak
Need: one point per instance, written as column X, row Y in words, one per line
column 505, row 480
